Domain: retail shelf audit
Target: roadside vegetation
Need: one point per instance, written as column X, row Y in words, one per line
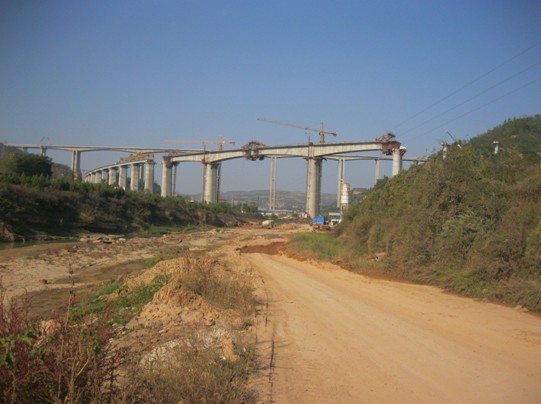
column 470, row 222
column 196, row 368
column 33, row 203
column 72, row 358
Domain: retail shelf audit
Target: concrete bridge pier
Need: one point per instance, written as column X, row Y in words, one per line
column 376, row 179
column 105, row 176
column 397, row 162
column 272, row 187
column 98, row 177
column 211, row 183
column 112, row 176
column 123, row 177
column 149, row 176
column 341, row 174
column 167, row 177
column 76, row 164
column 141, row 176
column 134, row 185
column 313, row 186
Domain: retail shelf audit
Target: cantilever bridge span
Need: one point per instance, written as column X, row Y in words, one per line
column 314, row 154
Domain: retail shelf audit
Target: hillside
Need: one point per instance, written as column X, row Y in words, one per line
column 36, row 207
column 59, row 170
column 470, row 222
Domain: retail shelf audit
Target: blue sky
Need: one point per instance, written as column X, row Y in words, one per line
column 133, row 73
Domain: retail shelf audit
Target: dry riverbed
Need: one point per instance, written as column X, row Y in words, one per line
column 322, row 334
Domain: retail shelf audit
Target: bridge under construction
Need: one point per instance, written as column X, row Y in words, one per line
column 141, row 164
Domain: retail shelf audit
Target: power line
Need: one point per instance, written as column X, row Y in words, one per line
column 467, row 85
column 474, row 97
column 481, row 106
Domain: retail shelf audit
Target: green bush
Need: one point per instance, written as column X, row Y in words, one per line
column 37, row 205
column 322, row 246
column 54, row 361
column 28, row 165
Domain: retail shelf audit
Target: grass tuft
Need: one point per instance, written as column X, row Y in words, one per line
column 199, row 275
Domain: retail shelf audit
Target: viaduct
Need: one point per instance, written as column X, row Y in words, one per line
column 142, row 169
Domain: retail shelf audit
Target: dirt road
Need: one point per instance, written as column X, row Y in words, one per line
column 329, row 335
column 333, row 336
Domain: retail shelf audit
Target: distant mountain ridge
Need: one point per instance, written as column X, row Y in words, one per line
column 290, row 200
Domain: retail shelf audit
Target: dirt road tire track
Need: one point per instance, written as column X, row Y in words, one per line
column 342, row 337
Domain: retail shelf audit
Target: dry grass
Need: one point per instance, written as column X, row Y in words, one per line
column 72, row 362
column 207, row 364
column 189, row 370
column 203, row 276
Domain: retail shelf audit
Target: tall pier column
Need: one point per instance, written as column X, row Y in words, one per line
column 397, row 161
column 149, row 176
column 377, row 172
column 123, row 177
column 76, row 165
column 341, row 173
column 313, row 186
column 167, row 177
column 272, row 187
column 105, row 176
column 134, row 186
column 112, row 176
column 98, row 177
column 210, row 182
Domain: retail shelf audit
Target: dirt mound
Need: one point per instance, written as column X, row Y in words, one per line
column 273, row 248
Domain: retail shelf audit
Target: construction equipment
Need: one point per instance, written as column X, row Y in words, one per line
column 220, row 142
column 322, row 132
column 321, row 223
column 251, row 150
column 386, row 138
column 137, row 156
column 390, row 144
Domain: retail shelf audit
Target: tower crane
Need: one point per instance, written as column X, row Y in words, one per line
column 220, row 142
column 322, row 132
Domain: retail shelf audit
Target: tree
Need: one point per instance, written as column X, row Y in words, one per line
column 28, row 164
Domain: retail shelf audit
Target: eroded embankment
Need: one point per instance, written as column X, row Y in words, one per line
column 273, row 248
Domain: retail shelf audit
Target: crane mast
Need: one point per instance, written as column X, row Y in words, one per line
column 322, row 132
column 220, row 142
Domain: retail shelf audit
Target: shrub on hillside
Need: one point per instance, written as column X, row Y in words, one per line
column 470, row 221
column 53, row 361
